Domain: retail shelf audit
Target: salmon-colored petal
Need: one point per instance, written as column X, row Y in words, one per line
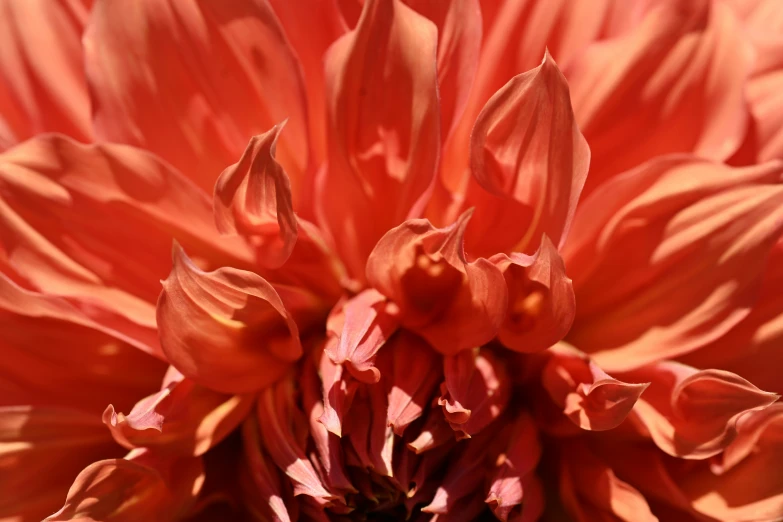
column 669, row 257
column 527, row 153
column 339, row 388
column 690, row 413
column 590, row 398
column 413, row 376
column 94, row 223
column 192, row 81
column 367, row 322
column 673, row 84
column 228, row 330
column 541, row 305
column 382, row 143
column 142, row 486
column 452, row 303
column 183, row 418
column 54, row 355
column 311, row 26
column 435, row 432
column 265, row 478
column 41, row 450
column 590, row 490
column 753, row 430
column 280, row 421
column 765, row 99
column 475, row 392
column 42, row 84
column 253, row 199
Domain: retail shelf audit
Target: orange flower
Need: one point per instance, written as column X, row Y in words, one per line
column 391, row 259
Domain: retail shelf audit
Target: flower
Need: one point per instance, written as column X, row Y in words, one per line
column 391, row 259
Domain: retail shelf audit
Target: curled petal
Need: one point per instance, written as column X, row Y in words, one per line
column 190, row 81
column 183, row 417
column 264, row 477
column 142, row 486
column 676, row 84
column 590, row 398
column 364, row 324
column 228, row 330
column 253, row 199
column 42, row 84
column 382, row 143
column 661, row 268
column 528, row 154
column 452, row 303
column 476, row 391
column 693, row 414
column 541, row 304
column 338, row 390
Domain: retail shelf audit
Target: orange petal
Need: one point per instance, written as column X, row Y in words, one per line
column 94, row 223
column 182, row 418
column 383, row 143
column 693, row 414
column 338, row 389
column 590, row 490
column 765, row 99
column 528, row 154
column 228, row 330
column 191, row 81
column 54, row 355
column 661, row 267
column 590, row 398
column 367, row 322
column 452, row 303
column 673, row 84
column 253, row 199
column 42, row 84
column 476, row 391
column 142, row 486
column 541, row 303
column 41, row 450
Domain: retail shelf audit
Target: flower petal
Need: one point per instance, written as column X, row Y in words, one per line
column 253, row 199
column 669, row 257
column 142, row 486
column 452, row 303
column 674, row 84
column 42, row 84
column 191, row 81
column 382, row 143
column 590, row 398
column 541, row 304
column 693, row 414
column 528, row 154
column 94, row 223
column 228, row 330
column 182, row 418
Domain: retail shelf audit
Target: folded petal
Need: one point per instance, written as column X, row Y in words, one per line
column 529, row 161
column 183, row 418
column 94, row 224
column 191, row 81
column 253, row 199
column 452, row 303
column 673, row 84
column 41, row 450
column 382, row 143
column 55, row 355
column 693, row 414
column 42, row 84
column 669, row 257
column 364, row 324
column 142, row 486
column 228, row 330
column 339, row 388
column 590, row 398
column 541, row 304
column 590, row 490
column 476, row 390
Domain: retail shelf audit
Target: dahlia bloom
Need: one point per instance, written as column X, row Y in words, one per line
column 277, row 260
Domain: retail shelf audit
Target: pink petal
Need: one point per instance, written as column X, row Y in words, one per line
column 382, row 143
column 191, row 81
column 228, row 330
